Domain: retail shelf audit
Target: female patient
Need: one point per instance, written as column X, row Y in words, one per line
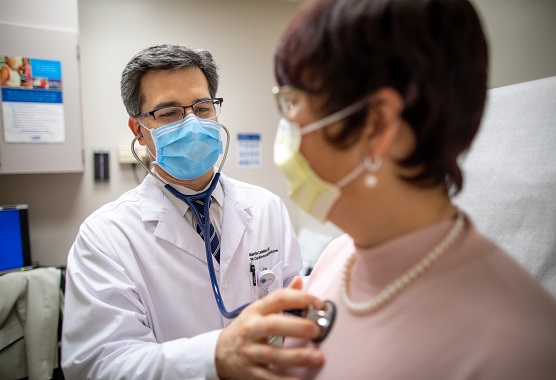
column 379, row 98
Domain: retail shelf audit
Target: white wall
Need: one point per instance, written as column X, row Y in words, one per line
column 50, row 14
column 242, row 35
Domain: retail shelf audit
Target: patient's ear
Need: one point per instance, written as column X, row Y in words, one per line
column 384, row 120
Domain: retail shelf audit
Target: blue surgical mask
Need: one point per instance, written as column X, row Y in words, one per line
column 188, row 148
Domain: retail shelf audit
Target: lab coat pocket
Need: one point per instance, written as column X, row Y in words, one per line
column 269, row 279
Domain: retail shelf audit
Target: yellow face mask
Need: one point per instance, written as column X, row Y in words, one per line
column 306, row 188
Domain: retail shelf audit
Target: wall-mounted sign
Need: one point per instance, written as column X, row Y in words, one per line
column 249, row 151
column 32, row 103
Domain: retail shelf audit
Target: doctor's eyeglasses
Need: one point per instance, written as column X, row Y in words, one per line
column 203, row 109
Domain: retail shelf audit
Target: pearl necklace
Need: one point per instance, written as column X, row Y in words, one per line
column 394, row 288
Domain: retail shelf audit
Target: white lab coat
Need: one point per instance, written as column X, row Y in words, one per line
column 139, row 302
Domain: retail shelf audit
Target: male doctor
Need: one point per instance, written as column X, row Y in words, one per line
column 139, row 302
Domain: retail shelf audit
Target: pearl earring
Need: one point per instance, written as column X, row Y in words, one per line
column 370, row 181
column 372, row 166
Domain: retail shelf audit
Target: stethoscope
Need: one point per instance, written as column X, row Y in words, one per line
column 323, row 318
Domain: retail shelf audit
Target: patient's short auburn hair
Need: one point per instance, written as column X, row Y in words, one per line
column 433, row 52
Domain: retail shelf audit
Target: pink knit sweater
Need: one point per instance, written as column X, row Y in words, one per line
column 475, row 314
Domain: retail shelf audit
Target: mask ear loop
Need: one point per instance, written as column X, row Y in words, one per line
column 370, row 179
column 140, row 161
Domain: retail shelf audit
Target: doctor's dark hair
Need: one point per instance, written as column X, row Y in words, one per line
column 433, row 52
column 163, row 57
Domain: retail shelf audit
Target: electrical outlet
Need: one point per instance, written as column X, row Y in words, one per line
column 126, row 157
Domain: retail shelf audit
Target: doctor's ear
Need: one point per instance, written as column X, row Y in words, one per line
column 135, row 127
column 384, row 119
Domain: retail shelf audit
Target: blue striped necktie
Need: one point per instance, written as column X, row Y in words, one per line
column 214, row 241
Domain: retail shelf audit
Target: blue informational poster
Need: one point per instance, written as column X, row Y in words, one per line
column 249, row 150
column 32, row 101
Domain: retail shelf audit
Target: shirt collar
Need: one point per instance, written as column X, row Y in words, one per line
column 217, row 195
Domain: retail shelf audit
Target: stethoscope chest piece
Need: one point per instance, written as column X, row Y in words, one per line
column 323, row 318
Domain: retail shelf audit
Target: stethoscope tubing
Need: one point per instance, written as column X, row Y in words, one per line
column 204, row 224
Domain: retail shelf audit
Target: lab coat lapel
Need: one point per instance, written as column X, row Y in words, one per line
column 236, row 217
column 171, row 225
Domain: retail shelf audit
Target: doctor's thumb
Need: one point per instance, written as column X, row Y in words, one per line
column 297, row 283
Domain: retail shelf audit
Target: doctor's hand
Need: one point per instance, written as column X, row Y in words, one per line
column 242, row 350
